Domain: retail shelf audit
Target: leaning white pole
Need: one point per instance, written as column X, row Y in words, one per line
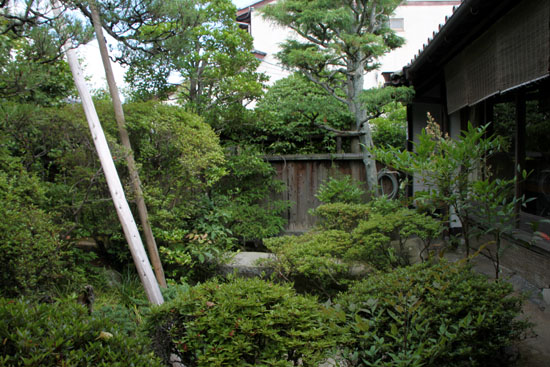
column 115, row 187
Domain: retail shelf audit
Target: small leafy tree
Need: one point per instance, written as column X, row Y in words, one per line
column 455, row 176
column 495, row 213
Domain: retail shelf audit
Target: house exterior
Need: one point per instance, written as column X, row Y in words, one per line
column 490, row 62
column 413, row 20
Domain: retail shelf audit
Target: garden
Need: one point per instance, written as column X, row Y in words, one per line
column 368, row 285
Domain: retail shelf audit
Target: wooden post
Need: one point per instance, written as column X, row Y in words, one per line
column 115, row 187
column 125, row 140
column 520, row 149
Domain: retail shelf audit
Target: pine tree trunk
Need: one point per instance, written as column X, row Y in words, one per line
column 355, row 87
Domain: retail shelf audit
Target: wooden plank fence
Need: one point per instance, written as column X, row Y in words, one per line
column 303, row 175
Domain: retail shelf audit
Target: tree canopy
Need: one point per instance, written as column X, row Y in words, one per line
column 31, row 65
column 196, row 42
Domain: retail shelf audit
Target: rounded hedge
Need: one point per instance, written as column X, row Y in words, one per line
column 246, row 322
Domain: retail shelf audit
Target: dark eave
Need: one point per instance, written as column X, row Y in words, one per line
column 470, row 20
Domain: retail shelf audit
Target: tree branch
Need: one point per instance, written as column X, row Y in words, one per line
column 325, row 87
column 308, row 37
column 339, row 132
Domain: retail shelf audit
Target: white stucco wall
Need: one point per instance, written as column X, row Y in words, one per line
column 267, row 37
column 420, row 20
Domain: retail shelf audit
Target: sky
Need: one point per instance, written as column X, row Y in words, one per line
column 243, row 3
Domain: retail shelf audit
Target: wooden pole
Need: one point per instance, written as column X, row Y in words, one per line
column 125, row 140
column 115, row 187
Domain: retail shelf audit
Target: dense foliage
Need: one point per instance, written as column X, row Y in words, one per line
column 246, row 322
column 352, row 240
column 290, row 115
column 244, row 194
column 341, row 216
column 32, row 69
column 429, row 315
column 382, row 238
column 63, row 334
column 34, row 258
column 340, row 190
column 196, row 42
column 458, row 179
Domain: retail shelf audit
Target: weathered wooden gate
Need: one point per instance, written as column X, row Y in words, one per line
column 303, row 174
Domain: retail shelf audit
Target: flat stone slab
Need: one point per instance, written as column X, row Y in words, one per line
column 248, row 264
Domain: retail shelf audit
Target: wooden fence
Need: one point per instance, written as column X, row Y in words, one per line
column 303, row 175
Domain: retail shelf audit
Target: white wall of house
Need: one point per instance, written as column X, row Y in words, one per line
column 420, row 19
column 267, row 37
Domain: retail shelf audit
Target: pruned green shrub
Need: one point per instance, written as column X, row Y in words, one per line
column 314, row 258
column 63, row 334
column 429, row 315
column 374, row 237
column 319, row 262
column 341, row 216
column 246, row 322
column 340, row 190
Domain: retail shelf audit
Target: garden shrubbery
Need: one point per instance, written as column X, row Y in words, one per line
column 341, row 216
column 243, row 323
column 381, row 240
column 353, row 236
column 318, row 261
column 63, row 334
column 429, row 315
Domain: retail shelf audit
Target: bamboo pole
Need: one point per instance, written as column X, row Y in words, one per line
column 113, row 181
column 125, row 140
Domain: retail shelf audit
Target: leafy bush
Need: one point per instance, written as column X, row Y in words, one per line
column 384, row 205
column 391, row 128
column 288, row 115
column 244, row 195
column 340, row 190
column 179, row 158
column 241, row 323
column 341, row 216
column 34, row 258
column 63, row 334
column 429, row 315
column 193, row 257
column 316, row 260
column 374, row 236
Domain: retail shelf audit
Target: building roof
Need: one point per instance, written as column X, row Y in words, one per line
column 467, row 22
column 259, row 4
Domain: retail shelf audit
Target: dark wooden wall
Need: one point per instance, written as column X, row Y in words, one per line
column 303, row 175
